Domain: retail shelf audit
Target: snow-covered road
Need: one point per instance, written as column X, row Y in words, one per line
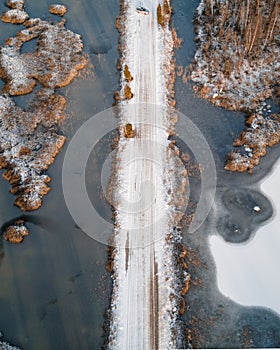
column 142, row 308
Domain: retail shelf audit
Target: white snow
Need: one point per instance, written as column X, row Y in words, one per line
column 143, row 313
column 58, row 8
column 249, row 273
column 6, row 346
column 19, row 15
column 15, row 4
column 15, row 67
column 248, row 80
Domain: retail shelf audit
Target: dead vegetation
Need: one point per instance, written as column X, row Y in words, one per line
column 128, row 131
column 186, row 286
column 15, row 4
column 110, row 260
column 196, row 329
column 252, row 143
column 29, row 144
column 177, row 42
column 160, row 16
column 127, row 74
column 14, row 16
column 247, row 338
column 55, row 62
column 16, row 233
column 238, row 45
column 56, row 9
column 128, row 95
column 164, row 14
column 29, row 139
column 237, row 67
column 182, row 307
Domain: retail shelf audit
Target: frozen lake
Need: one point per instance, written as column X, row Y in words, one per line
column 247, row 273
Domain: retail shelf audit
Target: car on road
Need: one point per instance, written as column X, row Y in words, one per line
column 142, row 10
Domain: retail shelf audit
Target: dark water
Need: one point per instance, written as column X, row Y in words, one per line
column 214, row 320
column 54, row 288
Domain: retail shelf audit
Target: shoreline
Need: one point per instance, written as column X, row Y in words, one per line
column 238, row 70
column 31, row 139
column 253, row 256
column 56, row 237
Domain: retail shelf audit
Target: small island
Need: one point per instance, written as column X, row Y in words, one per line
column 30, row 139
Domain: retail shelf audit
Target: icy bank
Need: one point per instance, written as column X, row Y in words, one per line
column 248, row 273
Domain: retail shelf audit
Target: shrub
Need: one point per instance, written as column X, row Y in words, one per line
column 159, row 16
column 127, row 74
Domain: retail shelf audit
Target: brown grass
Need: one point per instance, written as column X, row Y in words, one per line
column 177, row 41
column 127, row 74
column 237, row 52
column 166, row 8
column 127, row 92
column 160, row 16
column 248, row 25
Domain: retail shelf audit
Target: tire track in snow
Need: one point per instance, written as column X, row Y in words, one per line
column 141, row 310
